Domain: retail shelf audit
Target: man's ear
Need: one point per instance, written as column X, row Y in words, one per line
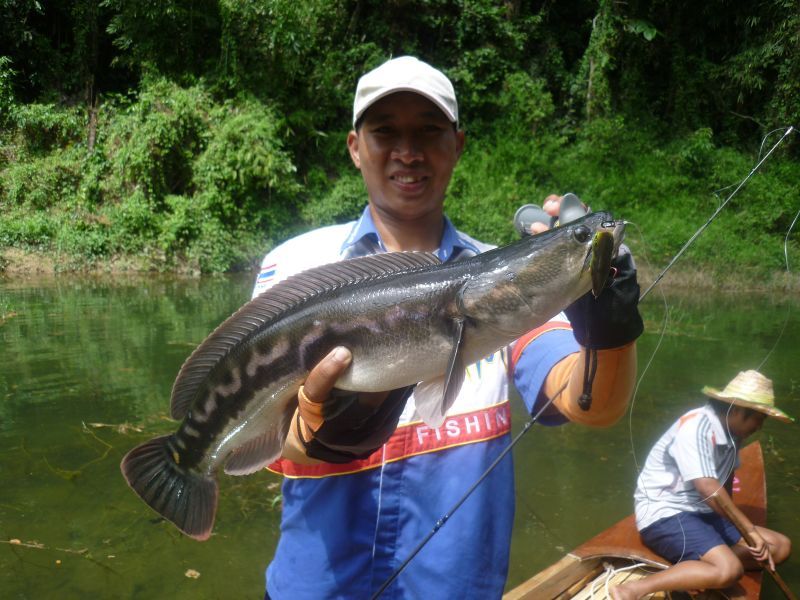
column 460, row 141
column 352, row 146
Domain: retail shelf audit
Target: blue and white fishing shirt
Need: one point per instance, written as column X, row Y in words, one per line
column 697, row 445
column 346, row 527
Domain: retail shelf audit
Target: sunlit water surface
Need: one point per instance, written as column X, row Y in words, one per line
column 86, row 368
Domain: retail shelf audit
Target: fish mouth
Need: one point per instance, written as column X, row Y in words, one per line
column 603, row 248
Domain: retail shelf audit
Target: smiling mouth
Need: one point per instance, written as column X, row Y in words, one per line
column 408, row 179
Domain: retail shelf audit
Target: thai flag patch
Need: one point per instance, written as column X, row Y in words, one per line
column 266, row 274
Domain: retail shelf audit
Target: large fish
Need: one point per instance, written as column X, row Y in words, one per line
column 406, row 318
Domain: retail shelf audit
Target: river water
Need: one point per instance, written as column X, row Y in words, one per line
column 86, row 368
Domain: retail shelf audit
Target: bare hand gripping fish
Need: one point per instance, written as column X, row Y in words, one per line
column 406, row 318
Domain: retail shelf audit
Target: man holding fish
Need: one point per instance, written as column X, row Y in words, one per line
column 368, row 475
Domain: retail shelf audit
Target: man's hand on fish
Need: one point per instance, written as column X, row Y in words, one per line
column 337, row 426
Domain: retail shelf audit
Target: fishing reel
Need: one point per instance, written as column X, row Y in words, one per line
column 571, row 209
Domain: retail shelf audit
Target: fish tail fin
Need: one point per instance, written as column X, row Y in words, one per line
column 180, row 495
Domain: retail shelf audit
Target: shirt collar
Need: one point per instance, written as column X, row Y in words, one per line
column 718, row 426
column 365, row 234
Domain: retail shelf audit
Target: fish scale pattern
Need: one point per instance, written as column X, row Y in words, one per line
column 282, row 297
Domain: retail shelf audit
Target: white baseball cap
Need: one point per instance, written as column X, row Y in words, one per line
column 405, row 74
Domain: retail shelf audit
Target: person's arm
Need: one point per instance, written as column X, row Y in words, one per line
column 716, row 496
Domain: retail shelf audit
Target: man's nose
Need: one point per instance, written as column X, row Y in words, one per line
column 407, row 149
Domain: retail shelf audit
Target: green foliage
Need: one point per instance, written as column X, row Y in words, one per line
column 525, row 103
column 342, row 201
column 154, row 141
column 196, row 134
column 7, row 104
column 41, row 182
column 27, row 229
column 695, row 155
column 42, row 127
column 243, row 170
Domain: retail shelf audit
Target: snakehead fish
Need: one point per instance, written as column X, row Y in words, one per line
column 407, row 319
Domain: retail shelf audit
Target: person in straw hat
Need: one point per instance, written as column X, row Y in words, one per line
column 687, row 476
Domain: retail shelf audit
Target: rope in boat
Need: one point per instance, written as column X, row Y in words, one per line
column 609, row 572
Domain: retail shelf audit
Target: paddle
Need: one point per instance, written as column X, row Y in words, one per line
column 727, row 506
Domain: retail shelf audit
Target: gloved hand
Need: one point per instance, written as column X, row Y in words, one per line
column 612, row 319
column 340, row 426
column 353, row 430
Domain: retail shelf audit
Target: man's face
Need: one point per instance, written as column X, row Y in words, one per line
column 406, row 150
column 742, row 424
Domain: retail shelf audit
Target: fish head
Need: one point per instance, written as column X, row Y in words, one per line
column 565, row 262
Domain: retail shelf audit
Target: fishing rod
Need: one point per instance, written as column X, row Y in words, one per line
column 444, row 518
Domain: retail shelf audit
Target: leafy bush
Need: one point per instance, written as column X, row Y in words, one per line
column 154, row 140
column 244, row 171
column 19, row 228
column 40, row 183
column 696, row 153
column 7, row 104
column 42, row 127
column 344, row 201
column 525, row 103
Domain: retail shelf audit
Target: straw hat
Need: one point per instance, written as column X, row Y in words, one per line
column 750, row 389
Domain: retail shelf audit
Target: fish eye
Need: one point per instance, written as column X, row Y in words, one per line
column 582, row 233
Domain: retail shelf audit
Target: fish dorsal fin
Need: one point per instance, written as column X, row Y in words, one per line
column 270, row 305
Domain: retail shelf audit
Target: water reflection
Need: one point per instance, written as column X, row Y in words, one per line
column 86, row 366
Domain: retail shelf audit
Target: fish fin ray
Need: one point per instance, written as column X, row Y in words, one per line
column 271, row 305
column 428, row 400
column 454, row 376
column 434, row 397
column 185, row 498
column 263, row 450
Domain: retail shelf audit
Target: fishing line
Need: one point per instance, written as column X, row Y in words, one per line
column 760, row 161
column 788, row 305
column 703, row 227
column 444, row 518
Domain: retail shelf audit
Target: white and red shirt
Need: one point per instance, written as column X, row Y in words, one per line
column 697, row 445
column 346, row 527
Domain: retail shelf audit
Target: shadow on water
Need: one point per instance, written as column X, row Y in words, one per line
column 86, row 367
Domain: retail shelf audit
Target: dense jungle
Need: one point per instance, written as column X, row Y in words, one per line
column 191, row 136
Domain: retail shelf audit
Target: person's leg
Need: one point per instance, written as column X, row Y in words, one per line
column 717, row 568
column 780, row 547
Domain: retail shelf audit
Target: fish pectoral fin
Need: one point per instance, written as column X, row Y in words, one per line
column 260, row 451
column 253, row 456
column 435, row 397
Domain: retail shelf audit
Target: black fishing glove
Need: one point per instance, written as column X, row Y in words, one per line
column 351, row 430
column 612, row 319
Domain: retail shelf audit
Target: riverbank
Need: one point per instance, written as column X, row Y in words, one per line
column 19, row 264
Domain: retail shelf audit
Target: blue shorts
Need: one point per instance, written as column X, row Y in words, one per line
column 688, row 536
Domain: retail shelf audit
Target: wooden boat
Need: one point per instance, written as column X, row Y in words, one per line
column 583, row 573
